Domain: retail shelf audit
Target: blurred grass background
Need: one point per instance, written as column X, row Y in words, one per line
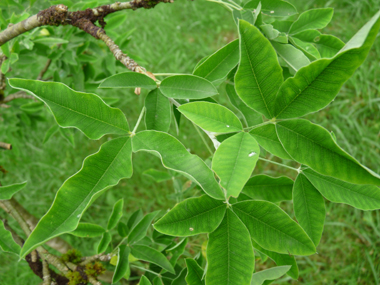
column 173, row 38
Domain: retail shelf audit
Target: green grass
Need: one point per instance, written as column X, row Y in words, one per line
column 173, row 38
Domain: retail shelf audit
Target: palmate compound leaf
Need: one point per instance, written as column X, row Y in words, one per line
column 234, row 161
column 312, row 145
column 158, row 111
column 129, row 80
column 84, row 111
column 316, row 85
column 273, row 229
column 258, row 278
column 216, row 67
column 309, row 208
column 174, row 156
column 272, row 189
column 122, row 263
column 192, row 216
column 7, row 243
column 99, row 172
column 194, row 273
column 230, row 256
column 312, row 19
column 6, row 192
column 280, row 259
column 211, row 117
column 364, row 197
column 259, row 75
column 187, row 87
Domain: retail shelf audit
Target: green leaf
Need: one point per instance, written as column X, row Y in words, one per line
column 309, row 208
column 7, row 243
column 148, row 254
column 50, row 41
column 316, row 85
column 84, row 111
column 122, row 263
column 194, row 273
column 216, row 67
column 117, row 213
column 87, row 230
column 129, row 80
column 273, row 8
column 187, row 87
column 328, row 45
column 192, row 216
column 174, row 156
column 68, row 134
column 272, row 189
column 293, row 57
column 180, row 279
column 307, row 48
column 32, row 107
column 211, row 117
column 114, row 21
column 99, row 172
column 122, row 229
column 280, row 259
column 230, row 256
column 314, row 146
column 157, row 176
column 312, row 19
column 234, row 161
column 266, row 136
column 104, row 242
column 177, row 251
column 258, row 278
column 135, row 218
column 50, row 132
column 140, row 230
column 273, row 229
column 364, row 197
column 6, row 192
column 259, row 75
column 250, row 116
column 144, row 281
column 158, row 111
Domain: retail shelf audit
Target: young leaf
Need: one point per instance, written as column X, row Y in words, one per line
column 230, row 256
column 99, row 172
column 280, row 259
column 273, row 229
column 194, row 273
column 216, row 67
column 258, row 278
column 122, row 263
column 117, row 213
column 293, row 57
column 328, row 45
column 129, row 80
column 158, row 111
column 87, row 230
column 234, row 162
column 307, row 48
column 316, row 85
column 312, row 19
column 259, row 75
column 364, row 197
column 211, row 117
column 140, row 230
column 144, row 281
column 273, row 8
column 251, row 117
column 266, row 136
column 148, row 254
column 6, row 192
column 316, row 148
column 174, row 156
column 309, row 208
column 272, row 189
column 187, row 87
column 157, row 176
column 104, row 242
column 7, row 243
column 192, row 216
column 84, row 111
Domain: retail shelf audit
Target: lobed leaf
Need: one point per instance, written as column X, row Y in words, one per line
column 230, row 256
column 234, row 161
column 84, row 111
column 99, row 172
column 6, row 192
column 129, row 80
column 174, row 156
column 192, row 216
column 158, row 111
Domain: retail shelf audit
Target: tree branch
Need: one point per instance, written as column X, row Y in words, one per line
column 6, row 146
column 17, row 95
column 43, row 71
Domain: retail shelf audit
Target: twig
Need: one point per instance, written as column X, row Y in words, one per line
column 93, row 280
column 43, row 71
column 17, row 95
column 46, row 273
column 100, row 256
column 4, row 145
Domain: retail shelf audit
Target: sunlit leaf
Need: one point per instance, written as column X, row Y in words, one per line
column 6, row 192
column 158, row 111
column 129, row 80
column 312, row 19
